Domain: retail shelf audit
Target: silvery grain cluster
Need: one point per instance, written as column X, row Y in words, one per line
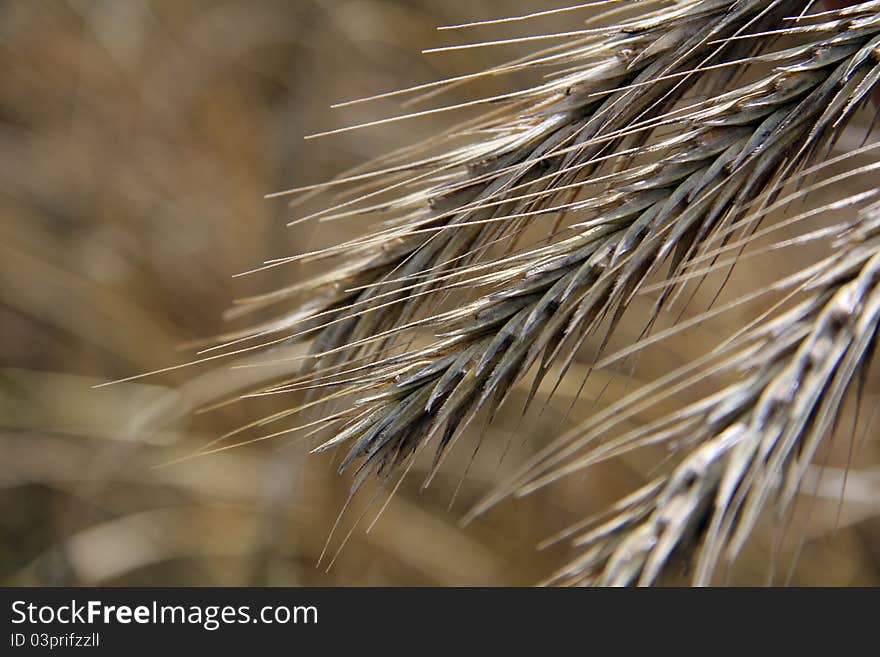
column 650, row 147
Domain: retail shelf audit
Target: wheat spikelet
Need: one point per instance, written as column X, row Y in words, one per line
column 653, row 143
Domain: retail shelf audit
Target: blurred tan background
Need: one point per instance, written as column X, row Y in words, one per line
column 137, row 142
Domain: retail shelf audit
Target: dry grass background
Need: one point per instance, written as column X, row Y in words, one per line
column 137, row 140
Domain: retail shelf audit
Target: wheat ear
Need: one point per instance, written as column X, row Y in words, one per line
column 653, row 141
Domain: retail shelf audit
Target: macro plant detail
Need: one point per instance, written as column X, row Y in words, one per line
column 650, row 153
